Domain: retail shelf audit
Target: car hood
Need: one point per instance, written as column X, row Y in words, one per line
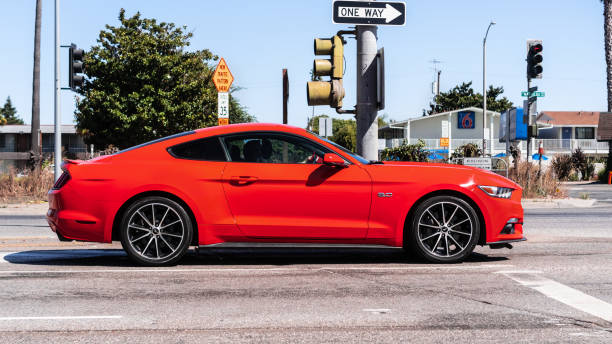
column 448, row 172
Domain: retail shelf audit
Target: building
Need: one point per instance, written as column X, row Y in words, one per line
column 565, row 131
column 459, row 126
column 16, row 139
column 559, row 132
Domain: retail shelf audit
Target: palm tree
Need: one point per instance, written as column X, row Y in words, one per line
column 36, row 85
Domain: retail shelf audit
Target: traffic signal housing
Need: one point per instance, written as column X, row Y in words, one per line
column 75, row 65
column 534, row 59
column 327, row 92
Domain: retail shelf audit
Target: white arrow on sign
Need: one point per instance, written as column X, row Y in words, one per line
column 388, row 13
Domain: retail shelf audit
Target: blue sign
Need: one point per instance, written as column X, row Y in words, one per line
column 518, row 128
column 467, row 120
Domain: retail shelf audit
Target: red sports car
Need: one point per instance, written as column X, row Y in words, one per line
column 269, row 183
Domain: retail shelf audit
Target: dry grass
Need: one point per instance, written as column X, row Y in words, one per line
column 535, row 185
column 26, row 186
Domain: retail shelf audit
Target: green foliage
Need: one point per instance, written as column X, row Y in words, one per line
column 467, row 150
column 406, row 152
column 142, row 84
column 8, row 113
column 602, row 176
column 343, row 131
column 463, row 96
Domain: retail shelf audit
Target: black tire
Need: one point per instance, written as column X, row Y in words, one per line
column 443, row 229
column 163, row 242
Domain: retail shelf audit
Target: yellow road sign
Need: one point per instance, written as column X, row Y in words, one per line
column 222, row 77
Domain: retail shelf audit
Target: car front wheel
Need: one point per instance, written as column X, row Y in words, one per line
column 445, row 229
column 156, row 231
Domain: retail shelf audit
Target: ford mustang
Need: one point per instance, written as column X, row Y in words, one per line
column 270, row 183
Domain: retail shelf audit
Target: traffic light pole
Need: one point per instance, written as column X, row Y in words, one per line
column 367, row 93
column 57, row 132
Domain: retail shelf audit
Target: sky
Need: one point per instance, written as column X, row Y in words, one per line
column 260, row 38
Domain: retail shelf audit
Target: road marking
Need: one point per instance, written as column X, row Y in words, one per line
column 377, row 310
column 153, row 270
column 562, row 293
column 64, row 317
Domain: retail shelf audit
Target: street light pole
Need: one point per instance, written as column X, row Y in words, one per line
column 484, row 88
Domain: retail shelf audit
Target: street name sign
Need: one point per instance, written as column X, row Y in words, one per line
column 533, row 94
column 369, row 12
column 484, row 163
column 222, row 77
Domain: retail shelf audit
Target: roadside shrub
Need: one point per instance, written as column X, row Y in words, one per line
column 26, row 186
column 406, row 152
column 536, row 185
column 562, row 166
column 467, row 150
column 580, row 163
column 602, row 176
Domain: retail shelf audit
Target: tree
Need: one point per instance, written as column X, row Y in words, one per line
column 463, row 96
column 142, row 84
column 343, row 131
column 608, row 48
column 9, row 113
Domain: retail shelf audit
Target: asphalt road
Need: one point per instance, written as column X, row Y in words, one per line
column 556, row 287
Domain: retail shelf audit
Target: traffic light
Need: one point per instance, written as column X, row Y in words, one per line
column 75, row 65
column 534, row 59
column 327, row 92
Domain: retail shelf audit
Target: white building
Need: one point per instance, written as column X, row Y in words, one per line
column 459, row 126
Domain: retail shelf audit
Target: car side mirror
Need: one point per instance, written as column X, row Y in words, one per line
column 332, row 159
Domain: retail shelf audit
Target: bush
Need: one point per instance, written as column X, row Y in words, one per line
column 562, row 166
column 22, row 187
column 413, row 152
column 546, row 185
column 581, row 163
column 467, row 150
column 603, row 174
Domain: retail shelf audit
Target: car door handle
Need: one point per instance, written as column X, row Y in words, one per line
column 243, row 180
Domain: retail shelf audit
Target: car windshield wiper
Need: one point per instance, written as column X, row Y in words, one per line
column 376, row 162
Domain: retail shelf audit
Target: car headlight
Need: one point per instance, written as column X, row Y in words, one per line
column 496, row 191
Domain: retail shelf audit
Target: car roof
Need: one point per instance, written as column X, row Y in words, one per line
column 243, row 127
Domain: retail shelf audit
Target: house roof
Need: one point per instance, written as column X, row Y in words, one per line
column 44, row 128
column 394, row 125
column 569, row 118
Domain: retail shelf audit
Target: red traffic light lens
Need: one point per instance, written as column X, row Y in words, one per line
column 536, row 48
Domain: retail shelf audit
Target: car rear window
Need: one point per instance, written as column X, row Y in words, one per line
column 208, row 149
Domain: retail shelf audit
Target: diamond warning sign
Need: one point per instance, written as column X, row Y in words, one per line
column 222, row 77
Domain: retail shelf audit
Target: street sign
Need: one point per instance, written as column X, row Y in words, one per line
column 223, row 107
column 533, row 94
column 369, row 12
column 222, row 77
column 484, row 163
column 325, row 126
column 444, row 142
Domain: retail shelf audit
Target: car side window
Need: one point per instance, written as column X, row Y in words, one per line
column 208, row 149
column 274, row 149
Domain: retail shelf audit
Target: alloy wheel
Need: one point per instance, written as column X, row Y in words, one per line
column 445, row 229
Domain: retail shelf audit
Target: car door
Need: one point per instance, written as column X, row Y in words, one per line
column 277, row 187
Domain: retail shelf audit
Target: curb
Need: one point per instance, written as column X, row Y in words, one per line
column 557, row 203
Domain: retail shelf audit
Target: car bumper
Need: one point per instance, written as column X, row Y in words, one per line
column 77, row 219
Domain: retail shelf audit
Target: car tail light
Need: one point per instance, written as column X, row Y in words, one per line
column 61, row 181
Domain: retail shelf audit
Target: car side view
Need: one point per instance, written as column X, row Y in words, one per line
column 270, row 183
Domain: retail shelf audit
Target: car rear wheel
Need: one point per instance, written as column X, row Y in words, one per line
column 445, row 229
column 156, row 231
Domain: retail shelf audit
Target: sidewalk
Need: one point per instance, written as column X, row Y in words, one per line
column 24, row 209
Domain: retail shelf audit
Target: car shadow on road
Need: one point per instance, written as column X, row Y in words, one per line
column 233, row 256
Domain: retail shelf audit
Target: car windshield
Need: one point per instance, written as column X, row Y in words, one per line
column 344, row 150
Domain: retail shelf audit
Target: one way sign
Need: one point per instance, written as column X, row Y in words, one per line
column 369, row 12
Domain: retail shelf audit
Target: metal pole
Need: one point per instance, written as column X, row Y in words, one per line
column 285, row 95
column 528, row 111
column 484, row 89
column 57, row 133
column 367, row 97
